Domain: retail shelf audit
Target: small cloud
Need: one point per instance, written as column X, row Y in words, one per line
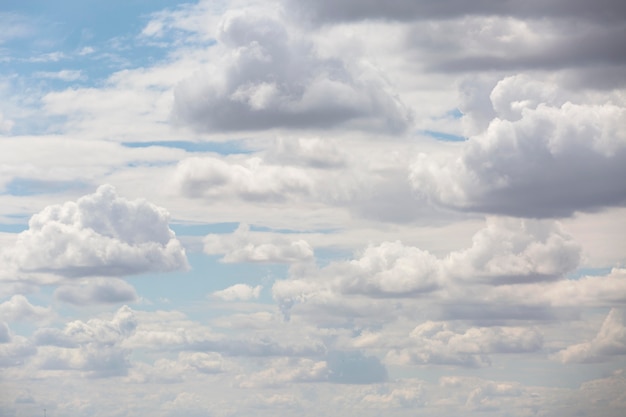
column 239, row 292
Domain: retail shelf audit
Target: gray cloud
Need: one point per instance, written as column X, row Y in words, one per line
column 267, row 78
column 403, row 10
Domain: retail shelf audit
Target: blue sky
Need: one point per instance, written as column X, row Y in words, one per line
column 249, row 208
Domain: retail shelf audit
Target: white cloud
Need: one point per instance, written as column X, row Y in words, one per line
column 239, row 292
column 535, row 159
column 250, row 180
column 268, row 77
column 96, row 291
column 93, row 347
column 63, row 75
column 19, row 309
column 516, row 251
column 245, row 246
column 100, row 234
column 440, row 343
column 610, row 341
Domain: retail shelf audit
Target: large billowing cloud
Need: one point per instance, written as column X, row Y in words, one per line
column 100, row 234
column 539, row 157
column 506, row 251
column 268, row 77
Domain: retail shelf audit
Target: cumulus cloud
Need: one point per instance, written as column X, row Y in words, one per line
column 507, row 252
column 537, row 158
column 97, row 291
column 610, row 341
column 250, row 180
column 93, row 347
column 18, row 308
column 267, row 77
column 516, row 251
column 238, row 292
column 245, row 246
column 440, row 343
column 100, row 234
column 285, row 371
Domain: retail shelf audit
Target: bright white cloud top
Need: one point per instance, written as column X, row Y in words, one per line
column 302, row 208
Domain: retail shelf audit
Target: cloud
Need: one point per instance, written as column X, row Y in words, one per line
column 5, row 334
column 535, row 159
column 286, row 371
column 440, row 343
column 245, row 246
column 17, row 308
column 96, row 291
column 610, row 341
column 516, row 251
column 15, row 351
column 340, row 10
column 238, row 292
column 268, row 77
column 100, row 234
column 93, row 347
column 506, row 252
column 250, row 180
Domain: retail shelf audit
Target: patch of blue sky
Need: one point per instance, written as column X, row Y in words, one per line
column 206, row 276
column 28, row 187
column 187, row 229
column 454, row 113
column 255, row 228
column 91, row 35
column 13, row 227
column 443, row 136
column 583, row 272
column 222, row 148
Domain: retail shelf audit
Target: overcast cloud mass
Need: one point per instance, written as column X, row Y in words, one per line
column 232, row 208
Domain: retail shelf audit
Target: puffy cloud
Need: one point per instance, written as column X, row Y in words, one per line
column 186, row 365
column 15, row 351
column 238, row 292
column 268, row 77
column 18, row 308
column 440, row 343
column 93, row 347
column 516, row 251
column 250, row 180
column 100, row 234
column 97, row 291
column 286, row 371
column 507, row 252
column 535, row 159
column 610, row 341
column 245, row 246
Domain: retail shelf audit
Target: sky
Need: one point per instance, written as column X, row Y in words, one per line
column 312, row 208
